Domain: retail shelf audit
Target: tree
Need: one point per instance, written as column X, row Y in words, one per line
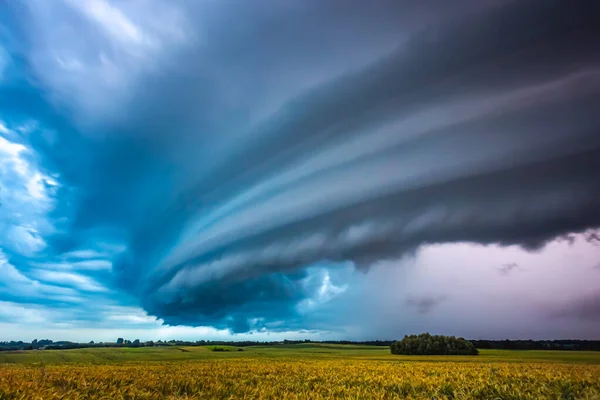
column 120, row 340
column 426, row 344
column 136, row 343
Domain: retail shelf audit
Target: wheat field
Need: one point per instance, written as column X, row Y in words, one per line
column 304, row 375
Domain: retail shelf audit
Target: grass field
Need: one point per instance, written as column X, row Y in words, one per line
column 306, row 371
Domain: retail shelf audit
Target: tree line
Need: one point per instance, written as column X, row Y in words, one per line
column 46, row 344
column 581, row 345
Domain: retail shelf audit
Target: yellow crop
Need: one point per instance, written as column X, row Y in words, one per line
column 301, row 379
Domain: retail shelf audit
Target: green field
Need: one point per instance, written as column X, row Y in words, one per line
column 320, row 351
column 303, row 371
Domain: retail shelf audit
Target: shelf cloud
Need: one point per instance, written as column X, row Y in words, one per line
column 214, row 167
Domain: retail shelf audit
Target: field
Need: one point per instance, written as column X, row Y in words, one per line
column 295, row 372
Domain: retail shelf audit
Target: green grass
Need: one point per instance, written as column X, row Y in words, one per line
column 298, row 351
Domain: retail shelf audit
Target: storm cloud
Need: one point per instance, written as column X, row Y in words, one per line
column 424, row 304
column 506, row 269
column 227, row 164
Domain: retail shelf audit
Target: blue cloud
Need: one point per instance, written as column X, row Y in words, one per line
column 218, row 174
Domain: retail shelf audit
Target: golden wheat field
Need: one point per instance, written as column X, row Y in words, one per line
column 265, row 378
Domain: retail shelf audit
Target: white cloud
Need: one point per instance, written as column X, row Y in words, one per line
column 111, row 19
column 93, row 265
column 24, row 240
column 78, row 281
column 84, row 265
column 9, row 274
column 84, row 253
column 326, row 292
column 130, row 315
column 35, row 186
column 12, row 150
column 17, row 313
column 118, row 321
column 26, row 195
column 16, row 284
column 101, row 49
column 68, row 331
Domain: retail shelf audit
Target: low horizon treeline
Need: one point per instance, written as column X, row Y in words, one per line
column 47, row 344
column 561, row 344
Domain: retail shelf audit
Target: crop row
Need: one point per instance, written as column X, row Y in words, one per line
column 300, row 379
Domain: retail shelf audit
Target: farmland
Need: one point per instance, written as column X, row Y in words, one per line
column 296, row 372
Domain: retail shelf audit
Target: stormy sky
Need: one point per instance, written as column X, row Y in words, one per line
column 302, row 169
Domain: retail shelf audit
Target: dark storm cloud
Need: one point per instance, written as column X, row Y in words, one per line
column 506, row 269
column 592, row 236
column 265, row 146
column 492, row 139
column 424, row 304
column 568, row 237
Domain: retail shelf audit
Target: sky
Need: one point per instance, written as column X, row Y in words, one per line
column 230, row 170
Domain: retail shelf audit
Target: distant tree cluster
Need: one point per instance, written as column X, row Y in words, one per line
column 581, row 345
column 426, row 344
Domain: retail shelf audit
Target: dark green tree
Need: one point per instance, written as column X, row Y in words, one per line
column 426, row 344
